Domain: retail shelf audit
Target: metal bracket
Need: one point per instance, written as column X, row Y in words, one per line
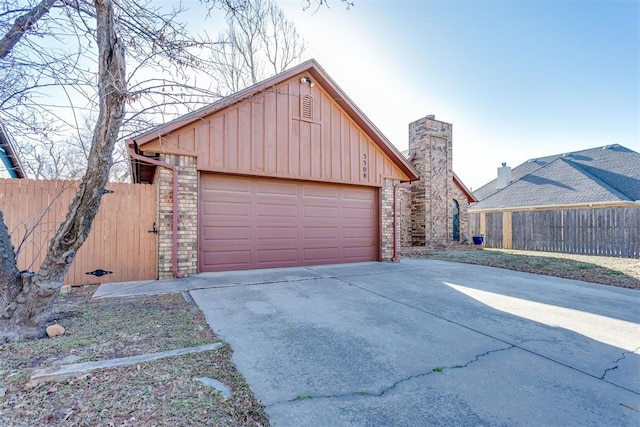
column 154, row 230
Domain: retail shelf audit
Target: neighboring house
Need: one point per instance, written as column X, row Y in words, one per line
column 287, row 172
column 434, row 208
column 10, row 165
column 585, row 201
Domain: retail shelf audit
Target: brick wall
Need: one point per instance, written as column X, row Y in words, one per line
column 187, row 216
column 405, row 234
column 386, row 213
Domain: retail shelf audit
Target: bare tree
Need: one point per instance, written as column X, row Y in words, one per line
column 155, row 43
column 259, row 41
column 77, row 48
column 26, row 298
column 49, row 159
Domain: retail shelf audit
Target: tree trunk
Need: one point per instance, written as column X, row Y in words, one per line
column 27, row 309
column 8, row 270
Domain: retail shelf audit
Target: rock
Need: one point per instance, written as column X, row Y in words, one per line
column 55, row 330
column 215, row 384
column 72, row 358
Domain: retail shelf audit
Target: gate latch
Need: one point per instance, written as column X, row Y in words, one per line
column 99, row 272
column 154, row 230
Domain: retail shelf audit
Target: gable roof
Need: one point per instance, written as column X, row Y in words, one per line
column 318, row 76
column 456, row 180
column 596, row 175
column 9, row 155
column 468, row 194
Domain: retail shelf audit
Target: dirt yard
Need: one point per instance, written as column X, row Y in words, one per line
column 159, row 393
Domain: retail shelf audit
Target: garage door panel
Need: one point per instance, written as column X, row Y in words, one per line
column 320, row 192
column 358, row 233
column 330, row 233
column 228, row 185
column 357, row 213
column 321, row 212
column 277, row 210
column 357, row 194
column 277, row 255
column 228, row 208
column 263, row 222
column 278, row 233
column 227, row 233
column 358, row 253
column 228, row 259
column 279, row 188
column 312, row 255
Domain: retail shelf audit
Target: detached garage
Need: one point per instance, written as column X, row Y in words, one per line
column 285, row 173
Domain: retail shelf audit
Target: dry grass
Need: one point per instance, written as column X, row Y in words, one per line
column 162, row 392
column 622, row 272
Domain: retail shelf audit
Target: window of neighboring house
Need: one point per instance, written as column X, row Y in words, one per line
column 455, row 208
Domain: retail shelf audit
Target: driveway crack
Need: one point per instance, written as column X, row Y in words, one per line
column 616, row 363
column 435, row 370
column 538, row 354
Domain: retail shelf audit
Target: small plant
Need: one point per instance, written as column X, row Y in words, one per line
column 304, row 397
column 459, row 366
column 437, row 369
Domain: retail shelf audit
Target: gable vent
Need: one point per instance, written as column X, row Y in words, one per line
column 306, row 107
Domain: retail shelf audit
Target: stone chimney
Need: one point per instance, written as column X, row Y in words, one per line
column 504, row 176
column 431, row 144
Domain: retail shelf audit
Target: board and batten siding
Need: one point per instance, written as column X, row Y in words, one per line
column 266, row 135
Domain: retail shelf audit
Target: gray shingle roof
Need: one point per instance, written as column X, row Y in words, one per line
column 603, row 174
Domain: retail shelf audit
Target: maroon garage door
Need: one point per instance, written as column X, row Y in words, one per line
column 260, row 223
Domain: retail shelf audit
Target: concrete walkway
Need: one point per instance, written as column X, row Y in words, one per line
column 428, row 343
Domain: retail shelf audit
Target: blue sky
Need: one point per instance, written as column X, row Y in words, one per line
column 518, row 79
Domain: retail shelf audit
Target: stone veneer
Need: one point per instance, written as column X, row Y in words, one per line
column 430, row 146
column 187, row 216
column 426, row 214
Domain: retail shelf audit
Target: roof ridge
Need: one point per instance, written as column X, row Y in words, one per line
column 567, row 153
column 581, row 169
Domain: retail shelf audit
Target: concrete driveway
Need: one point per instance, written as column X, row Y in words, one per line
column 429, row 343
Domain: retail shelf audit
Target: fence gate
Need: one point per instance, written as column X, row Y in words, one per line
column 121, row 245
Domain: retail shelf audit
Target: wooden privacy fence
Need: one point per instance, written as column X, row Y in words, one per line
column 119, row 240
column 609, row 231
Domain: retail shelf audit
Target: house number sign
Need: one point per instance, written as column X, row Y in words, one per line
column 364, row 166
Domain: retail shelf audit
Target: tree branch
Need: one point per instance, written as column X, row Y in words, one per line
column 22, row 25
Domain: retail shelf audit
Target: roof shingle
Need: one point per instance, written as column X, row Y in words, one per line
column 603, row 174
